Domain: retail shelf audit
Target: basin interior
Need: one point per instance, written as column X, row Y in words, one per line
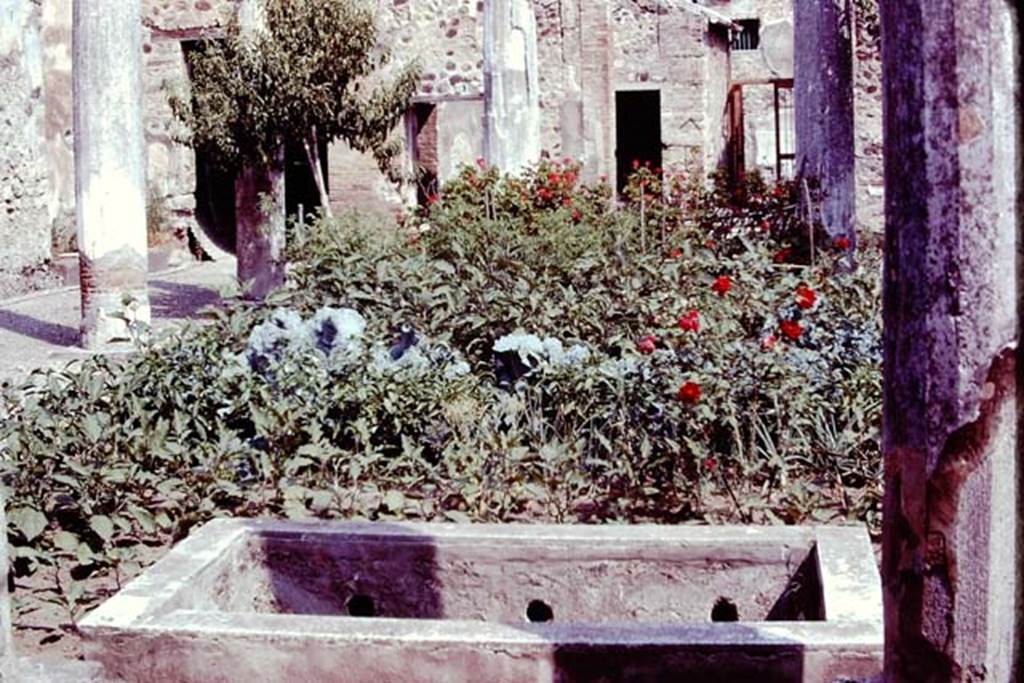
column 511, row 580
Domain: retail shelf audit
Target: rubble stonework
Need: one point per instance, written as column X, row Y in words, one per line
column 586, row 51
column 24, row 184
column 869, row 165
column 951, row 566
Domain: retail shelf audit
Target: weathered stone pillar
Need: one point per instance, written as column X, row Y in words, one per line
column 260, row 232
column 511, row 85
column 823, row 92
column 110, row 170
column 951, row 555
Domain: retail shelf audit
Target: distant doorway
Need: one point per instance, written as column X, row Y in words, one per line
column 637, row 132
column 215, row 187
column 300, row 191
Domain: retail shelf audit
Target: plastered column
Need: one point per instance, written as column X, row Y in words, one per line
column 823, row 92
column 511, row 85
column 952, row 511
column 110, row 170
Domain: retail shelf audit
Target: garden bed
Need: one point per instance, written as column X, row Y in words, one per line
column 523, row 349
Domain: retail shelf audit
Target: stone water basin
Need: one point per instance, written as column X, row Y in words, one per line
column 262, row 600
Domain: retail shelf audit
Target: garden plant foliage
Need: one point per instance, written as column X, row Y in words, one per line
column 520, row 349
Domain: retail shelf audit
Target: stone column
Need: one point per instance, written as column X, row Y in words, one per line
column 952, row 511
column 823, row 100
column 511, row 85
column 260, row 232
column 110, row 170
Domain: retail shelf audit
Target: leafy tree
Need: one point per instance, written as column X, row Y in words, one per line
column 311, row 69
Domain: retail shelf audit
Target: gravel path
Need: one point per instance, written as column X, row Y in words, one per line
column 41, row 330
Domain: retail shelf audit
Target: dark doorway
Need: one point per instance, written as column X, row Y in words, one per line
column 215, row 187
column 424, row 150
column 638, row 132
column 299, row 183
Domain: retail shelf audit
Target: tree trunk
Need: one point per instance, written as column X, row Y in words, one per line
column 312, row 146
column 260, row 237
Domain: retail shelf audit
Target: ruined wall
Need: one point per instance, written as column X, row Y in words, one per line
column 716, row 95
column 756, row 69
column 869, row 164
column 574, row 52
column 56, row 37
column 446, row 36
column 771, row 61
column 25, row 191
column 171, row 172
column 666, row 49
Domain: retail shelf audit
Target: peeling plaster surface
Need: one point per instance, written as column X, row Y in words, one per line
column 953, row 113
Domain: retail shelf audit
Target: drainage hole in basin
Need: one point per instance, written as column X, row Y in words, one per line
column 725, row 610
column 539, row 612
column 361, row 606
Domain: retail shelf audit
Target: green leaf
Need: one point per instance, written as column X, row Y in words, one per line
column 66, row 541
column 29, row 521
column 394, row 501
column 103, row 526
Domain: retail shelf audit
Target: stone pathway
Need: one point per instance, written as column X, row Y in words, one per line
column 41, row 329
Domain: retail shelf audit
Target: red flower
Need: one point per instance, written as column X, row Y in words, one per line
column 805, row 297
column 432, row 199
column 690, row 322
column 544, row 193
column 782, row 255
column 675, row 253
column 710, row 244
column 636, row 164
column 769, row 342
column 689, row 393
column 554, row 178
column 792, row 329
column 647, row 344
column 841, row 243
column 577, row 216
column 570, row 177
column 722, row 285
column 482, row 163
column 567, row 201
column 766, row 225
column 710, row 464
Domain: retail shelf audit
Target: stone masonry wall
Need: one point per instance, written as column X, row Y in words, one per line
column 667, row 51
column 56, row 37
column 869, row 164
column 171, row 166
column 25, row 190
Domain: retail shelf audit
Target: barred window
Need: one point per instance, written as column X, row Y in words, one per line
column 750, row 37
